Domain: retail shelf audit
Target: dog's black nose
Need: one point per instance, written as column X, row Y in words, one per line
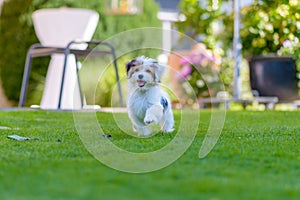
column 140, row 76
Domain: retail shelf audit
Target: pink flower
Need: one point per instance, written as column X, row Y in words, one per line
column 197, row 58
column 287, row 43
column 185, row 61
column 185, row 71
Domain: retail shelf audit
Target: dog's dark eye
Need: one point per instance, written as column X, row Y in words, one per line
column 136, row 70
column 148, row 71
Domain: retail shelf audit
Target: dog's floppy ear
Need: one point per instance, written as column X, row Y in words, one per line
column 130, row 64
column 158, row 71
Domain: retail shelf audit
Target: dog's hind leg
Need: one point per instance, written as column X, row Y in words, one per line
column 167, row 122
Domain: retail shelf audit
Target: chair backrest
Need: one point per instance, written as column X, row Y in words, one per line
column 274, row 76
column 58, row 26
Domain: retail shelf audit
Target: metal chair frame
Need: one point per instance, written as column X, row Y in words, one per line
column 38, row 50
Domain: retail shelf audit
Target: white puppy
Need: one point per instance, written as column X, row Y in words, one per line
column 146, row 102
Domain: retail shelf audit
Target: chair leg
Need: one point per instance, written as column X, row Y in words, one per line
column 66, row 53
column 79, row 85
column 25, row 80
column 117, row 77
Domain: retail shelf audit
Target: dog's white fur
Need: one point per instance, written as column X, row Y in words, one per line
column 146, row 102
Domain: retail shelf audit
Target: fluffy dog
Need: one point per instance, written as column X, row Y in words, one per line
column 146, row 102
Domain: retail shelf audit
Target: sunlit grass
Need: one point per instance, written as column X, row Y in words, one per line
column 256, row 157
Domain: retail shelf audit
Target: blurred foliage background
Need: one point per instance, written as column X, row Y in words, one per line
column 265, row 27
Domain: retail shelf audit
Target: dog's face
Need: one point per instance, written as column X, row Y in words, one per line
column 144, row 72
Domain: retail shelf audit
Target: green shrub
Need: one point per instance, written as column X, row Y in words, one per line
column 15, row 39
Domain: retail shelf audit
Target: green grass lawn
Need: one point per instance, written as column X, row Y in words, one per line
column 256, row 157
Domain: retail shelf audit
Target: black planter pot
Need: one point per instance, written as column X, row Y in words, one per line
column 274, row 76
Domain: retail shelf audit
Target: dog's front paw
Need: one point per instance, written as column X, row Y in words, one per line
column 169, row 130
column 153, row 114
column 148, row 119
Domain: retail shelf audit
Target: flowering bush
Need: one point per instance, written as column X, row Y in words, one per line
column 199, row 72
column 265, row 25
column 291, row 48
